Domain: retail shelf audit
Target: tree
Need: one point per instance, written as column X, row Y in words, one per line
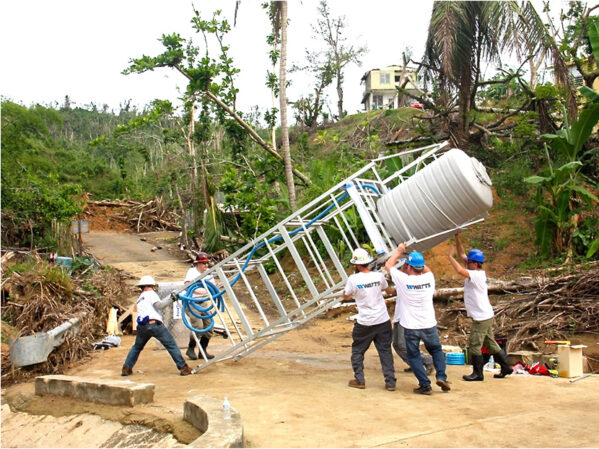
column 200, row 74
column 331, row 30
column 309, row 108
column 464, row 35
column 278, row 16
column 575, row 38
column 563, row 193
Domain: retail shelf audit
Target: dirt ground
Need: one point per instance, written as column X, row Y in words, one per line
column 293, row 392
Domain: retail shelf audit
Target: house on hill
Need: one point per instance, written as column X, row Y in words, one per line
column 380, row 87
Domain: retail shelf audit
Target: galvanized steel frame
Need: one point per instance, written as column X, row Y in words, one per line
column 312, row 273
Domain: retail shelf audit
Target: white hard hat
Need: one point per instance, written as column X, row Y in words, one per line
column 146, row 280
column 360, row 257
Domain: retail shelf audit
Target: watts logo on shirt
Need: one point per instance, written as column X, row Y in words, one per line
column 372, row 284
column 419, row 287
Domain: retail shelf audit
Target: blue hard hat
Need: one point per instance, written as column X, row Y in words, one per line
column 476, row 255
column 415, row 259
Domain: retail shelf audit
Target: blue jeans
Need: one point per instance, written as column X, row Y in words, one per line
column 160, row 333
column 399, row 344
column 430, row 337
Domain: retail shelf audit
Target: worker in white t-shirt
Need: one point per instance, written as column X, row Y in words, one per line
column 399, row 340
column 149, row 324
column 478, row 307
column 415, row 289
column 200, row 265
column 373, row 323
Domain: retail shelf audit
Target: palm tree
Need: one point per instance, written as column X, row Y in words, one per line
column 280, row 26
column 465, row 34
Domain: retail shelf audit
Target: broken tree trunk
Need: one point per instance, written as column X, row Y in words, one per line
column 496, row 287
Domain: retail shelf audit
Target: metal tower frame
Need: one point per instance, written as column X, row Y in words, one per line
column 251, row 309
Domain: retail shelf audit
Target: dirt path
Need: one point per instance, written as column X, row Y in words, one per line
column 130, row 253
column 293, row 392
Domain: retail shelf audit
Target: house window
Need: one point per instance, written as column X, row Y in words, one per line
column 384, row 78
column 377, row 101
column 577, row 80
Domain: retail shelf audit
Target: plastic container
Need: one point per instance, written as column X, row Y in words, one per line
column 570, row 360
column 449, row 192
column 226, row 409
column 66, row 262
column 490, row 365
column 455, row 358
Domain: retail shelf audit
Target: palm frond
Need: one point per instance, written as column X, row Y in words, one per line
column 214, row 226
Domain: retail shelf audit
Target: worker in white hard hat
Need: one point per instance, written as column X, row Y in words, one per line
column 149, row 324
column 373, row 323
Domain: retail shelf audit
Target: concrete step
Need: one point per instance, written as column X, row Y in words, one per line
column 104, row 391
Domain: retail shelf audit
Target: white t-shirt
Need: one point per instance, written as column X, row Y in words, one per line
column 476, row 297
column 414, row 307
column 193, row 274
column 367, row 290
column 145, row 306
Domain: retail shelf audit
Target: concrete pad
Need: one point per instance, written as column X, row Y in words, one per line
column 206, row 414
column 104, row 391
column 76, row 431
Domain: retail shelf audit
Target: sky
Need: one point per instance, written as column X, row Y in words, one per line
column 79, row 48
column 50, row 49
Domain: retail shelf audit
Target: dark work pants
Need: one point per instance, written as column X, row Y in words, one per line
column 381, row 335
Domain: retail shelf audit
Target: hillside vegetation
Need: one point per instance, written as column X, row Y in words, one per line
column 52, row 156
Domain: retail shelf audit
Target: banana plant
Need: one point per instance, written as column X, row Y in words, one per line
column 563, row 192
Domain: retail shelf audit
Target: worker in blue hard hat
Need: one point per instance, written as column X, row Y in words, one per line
column 478, row 307
column 399, row 340
column 415, row 288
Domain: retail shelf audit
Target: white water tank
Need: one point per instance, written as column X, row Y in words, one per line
column 449, row 192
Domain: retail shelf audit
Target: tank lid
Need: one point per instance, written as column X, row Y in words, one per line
column 481, row 172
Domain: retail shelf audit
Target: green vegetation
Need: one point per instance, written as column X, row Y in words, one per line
column 212, row 163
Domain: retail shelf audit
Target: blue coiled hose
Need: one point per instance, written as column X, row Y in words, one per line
column 207, row 313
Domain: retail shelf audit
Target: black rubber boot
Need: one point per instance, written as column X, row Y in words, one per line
column 191, row 354
column 506, row 369
column 204, row 342
column 477, row 369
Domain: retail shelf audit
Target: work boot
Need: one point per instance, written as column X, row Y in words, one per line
column 424, row 390
column 506, row 369
column 204, row 342
column 186, row 370
column 355, row 384
column 389, row 387
column 444, row 385
column 126, row 371
column 190, row 353
column 477, row 369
